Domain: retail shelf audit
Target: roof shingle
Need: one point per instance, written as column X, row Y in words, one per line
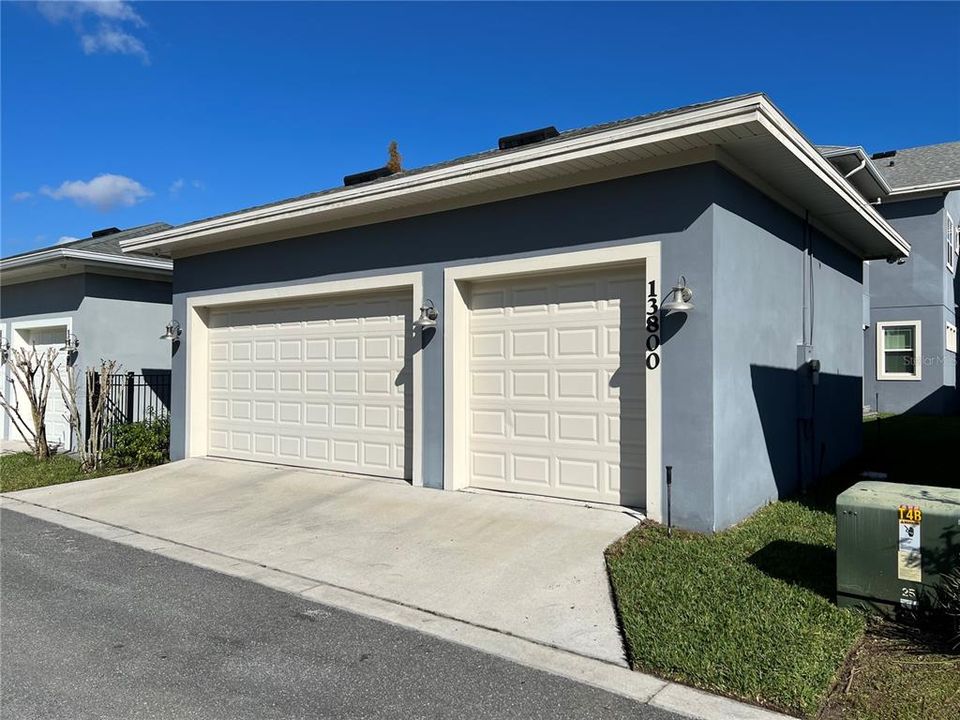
column 921, row 165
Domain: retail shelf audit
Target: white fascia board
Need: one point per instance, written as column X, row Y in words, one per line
column 750, row 109
column 791, row 138
column 932, row 188
column 58, row 254
column 472, row 171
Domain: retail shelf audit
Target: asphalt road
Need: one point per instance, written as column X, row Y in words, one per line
column 94, row 629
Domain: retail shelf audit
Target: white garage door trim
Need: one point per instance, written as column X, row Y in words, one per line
column 456, row 352
column 196, row 339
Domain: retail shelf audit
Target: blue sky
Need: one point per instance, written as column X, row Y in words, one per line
column 120, row 114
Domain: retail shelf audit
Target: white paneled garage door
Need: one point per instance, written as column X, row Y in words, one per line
column 557, row 386
column 323, row 384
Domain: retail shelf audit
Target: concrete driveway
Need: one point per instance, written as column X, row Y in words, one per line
column 527, row 568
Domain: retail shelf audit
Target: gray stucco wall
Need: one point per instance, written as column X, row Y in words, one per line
column 697, row 213
column 923, row 289
column 775, row 432
column 117, row 318
column 43, row 297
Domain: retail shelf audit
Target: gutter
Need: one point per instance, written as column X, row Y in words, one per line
column 945, row 186
column 55, row 254
column 865, row 162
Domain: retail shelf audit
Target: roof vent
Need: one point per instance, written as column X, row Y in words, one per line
column 527, row 138
column 367, row 176
column 884, row 154
column 104, row 232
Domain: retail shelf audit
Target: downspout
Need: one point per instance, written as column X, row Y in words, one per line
column 858, row 168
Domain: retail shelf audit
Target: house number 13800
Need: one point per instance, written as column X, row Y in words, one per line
column 653, row 327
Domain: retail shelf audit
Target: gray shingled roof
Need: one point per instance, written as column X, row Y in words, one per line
column 109, row 244
column 565, row 135
column 922, row 165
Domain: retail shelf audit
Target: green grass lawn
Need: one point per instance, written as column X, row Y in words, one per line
column 746, row 613
column 21, row 472
column 749, row 612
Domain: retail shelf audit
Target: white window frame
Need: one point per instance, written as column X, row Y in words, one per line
column 952, row 241
column 951, row 337
column 917, row 358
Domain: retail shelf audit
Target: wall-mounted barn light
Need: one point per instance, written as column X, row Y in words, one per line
column 71, row 344
column 428, row 315
column 681, row 298
column 172, row 332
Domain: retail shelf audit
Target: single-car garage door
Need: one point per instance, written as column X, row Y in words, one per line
column 323, row 384
column 556, row 386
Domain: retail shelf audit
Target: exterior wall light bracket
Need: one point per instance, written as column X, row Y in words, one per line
column 681, row 298
column 71, row 344
column 428, row 315
column 173, row 331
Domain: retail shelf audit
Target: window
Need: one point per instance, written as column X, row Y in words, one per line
column 951, row 337
column 898, row 350
column 952, row 242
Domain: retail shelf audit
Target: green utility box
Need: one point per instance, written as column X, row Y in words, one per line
column 894, row 542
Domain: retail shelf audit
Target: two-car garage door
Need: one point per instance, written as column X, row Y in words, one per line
column 322, row 383
column 555, row 382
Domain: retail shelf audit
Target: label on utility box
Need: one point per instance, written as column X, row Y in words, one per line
column 908, row 547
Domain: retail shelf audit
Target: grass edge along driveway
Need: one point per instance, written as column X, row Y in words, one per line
column 736, row 613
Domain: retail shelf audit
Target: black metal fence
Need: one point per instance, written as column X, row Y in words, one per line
column 131, row 398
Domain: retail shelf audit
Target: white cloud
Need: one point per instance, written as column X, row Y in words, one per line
column 178, row 185
column 67, row 239
column 21, row 196
column 116, row 10
column 111, row 39
column 111, row 35
column 104, row 192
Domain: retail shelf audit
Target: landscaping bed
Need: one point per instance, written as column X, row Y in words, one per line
column 896, row 675
column 750, row 613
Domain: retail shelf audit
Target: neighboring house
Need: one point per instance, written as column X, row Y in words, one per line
column 494, row 322
column 113, row 304
column 910, row 339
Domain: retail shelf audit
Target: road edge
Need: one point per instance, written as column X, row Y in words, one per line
column 600, row 674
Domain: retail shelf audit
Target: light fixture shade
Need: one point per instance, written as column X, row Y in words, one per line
column 70, row 343
column 681, row 298
column 428, row 316
column 172, row 332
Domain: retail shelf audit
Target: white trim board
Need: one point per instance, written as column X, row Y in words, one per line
column 55, row 254
column 196, row 337
column 456, row 328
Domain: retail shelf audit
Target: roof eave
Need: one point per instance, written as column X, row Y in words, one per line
column 501, row 170
column 937, row 188
column 59, row 255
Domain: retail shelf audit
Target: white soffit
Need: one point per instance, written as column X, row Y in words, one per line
column 750, row 130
